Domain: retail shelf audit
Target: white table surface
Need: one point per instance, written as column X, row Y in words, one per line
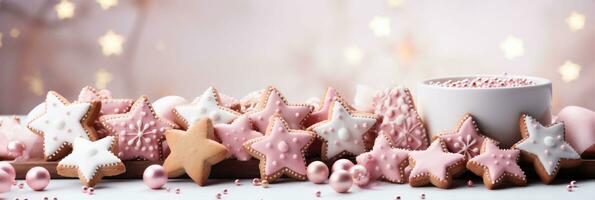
column 135, row 189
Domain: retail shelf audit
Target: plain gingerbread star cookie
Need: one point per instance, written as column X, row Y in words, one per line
column 272, row 102
column 545, row 147
column 281, row 150
column 344, row 132
column 207, row 105
column 91, row 161
column 400, row 121
column 62, row 122
column 235, row 134
column 385, row 162
column 140, row 131
column 109, row 105
column 465, row 139
column 193, row 151
column 435, row 165
column 497, row 166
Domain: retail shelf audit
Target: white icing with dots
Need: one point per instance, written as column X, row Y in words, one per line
column 61, row 123
column 547, row 143
column 205, row 106
column 344, row 132
column 89, row 156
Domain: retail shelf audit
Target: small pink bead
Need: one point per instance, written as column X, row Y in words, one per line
column 256, row 182
column 469, row 183
column 569, row 188
column 218, row 195
column 237, row 182
column 225, row 191
column 318, row 194
column 177, row 190
column 84, row 189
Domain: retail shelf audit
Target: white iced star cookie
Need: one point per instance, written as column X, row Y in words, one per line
column 90, row 161
column 545, row 147
column 62, row 122
column 207, row 105
column 345, row 131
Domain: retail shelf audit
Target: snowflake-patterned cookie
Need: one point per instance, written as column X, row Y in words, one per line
column 465, row 139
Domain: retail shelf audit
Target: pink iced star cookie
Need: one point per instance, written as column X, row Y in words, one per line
column 321, row 113
column 344, row 132
column 400, row 121
column 497, row 166
column 109, row 105
column 435, row 165
column 465, row 139
column 11, row 130
column 139, row 131
column 271, row 102
column 281, row 150
column 545, row 147
column 385, row 162
column 62, row 122
column 233, row 135
column 206, row 105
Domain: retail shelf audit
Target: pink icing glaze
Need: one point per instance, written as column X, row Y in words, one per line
column 466, row 140
column 282, row 147
column 499, row 161
column 233, row 135
column 434, row 160
column 273, row 103
column 139, row 132
column 383, row 161
column 322, row 113
column 109, row 106
column 400, row 121
column 580, row 129
column 12, row 130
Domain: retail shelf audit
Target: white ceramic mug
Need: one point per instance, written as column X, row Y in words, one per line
column 497, row 110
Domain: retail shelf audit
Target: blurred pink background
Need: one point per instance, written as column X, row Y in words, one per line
column 181, row 47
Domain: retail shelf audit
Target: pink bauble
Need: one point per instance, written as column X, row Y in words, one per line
column 342, row 164
column 164, row 106
column 37, row 178
column 155, row 176
column 5, row 181
column 360, row 175
column 317, row 172
column 15, row 148
column 8, row 168
column 341, row 181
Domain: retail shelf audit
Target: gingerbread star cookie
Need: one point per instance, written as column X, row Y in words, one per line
column 321, row 113
column 497, row 166
column 400, row 120
column 91, row 161
column 435, row 165
column 109, row 105
column 271, row 102
column 465, row 139
column 235, row 134
column 11, row 130
column 193, row 151
column 545, row 147
column 207, row 105
column 281, row 150
column 344, row 132
column 140, row 132
column 385, row 162
column 62, row 122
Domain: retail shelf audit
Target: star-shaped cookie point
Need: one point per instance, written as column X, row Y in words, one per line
column 497, row 165
column 321, row 113
column 545, row 147
column 193, row 151
column 272, row 102
column 233, row 135
column 344, row 132
column 385, row 162
column 109, row 105
column 281, row 150
column 435, row 165
column 140, row 131
column 207, row 105
column 465, row 139
column 90, row 161
column 62, row 122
